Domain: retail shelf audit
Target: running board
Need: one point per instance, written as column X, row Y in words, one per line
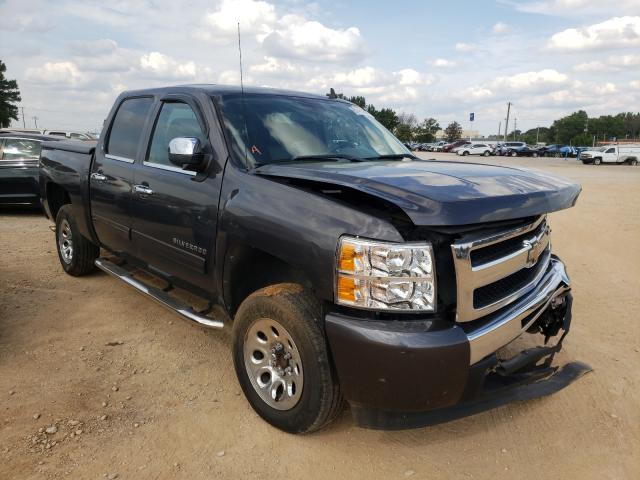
column 157, row 294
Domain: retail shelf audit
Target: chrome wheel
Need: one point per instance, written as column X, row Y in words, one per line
column 273, row 364
column 65, row 241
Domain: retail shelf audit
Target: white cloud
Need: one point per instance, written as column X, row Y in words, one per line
column 579, row 7
column 500, row 28
column 57, row 73
column 254, row 16
column 635, row 84
column 605, row 89
column 164, row 66
column 296, row 37
column 608, row 64
column 542, row 80
column 465, row 47
column 617, row 32
column 443, row 63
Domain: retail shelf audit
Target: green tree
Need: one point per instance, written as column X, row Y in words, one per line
column 426, row 131
column 453, row 131
column 358, row 100
column 403, row 132
column 564, row 129
column 9, row 94
column 387, row 117
column 538, row 134
column 582, row 140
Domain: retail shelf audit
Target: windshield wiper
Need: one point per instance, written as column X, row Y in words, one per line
column 394, row 156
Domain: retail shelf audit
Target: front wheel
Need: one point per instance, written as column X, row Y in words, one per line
column 76, row 253
column 486, row 153
column 465, row 153
column 534, row 155
column 597, row 161
column 281, row 359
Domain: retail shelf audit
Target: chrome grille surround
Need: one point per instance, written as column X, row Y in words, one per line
column 535, row 248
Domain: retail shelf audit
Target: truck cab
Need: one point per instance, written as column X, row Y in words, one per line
column 347, row 268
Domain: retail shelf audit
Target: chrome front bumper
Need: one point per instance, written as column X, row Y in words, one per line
column 507, row 325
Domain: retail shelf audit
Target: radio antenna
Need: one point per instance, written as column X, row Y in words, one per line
column 244, row 109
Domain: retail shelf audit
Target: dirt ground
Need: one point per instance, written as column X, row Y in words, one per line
column 136, row 393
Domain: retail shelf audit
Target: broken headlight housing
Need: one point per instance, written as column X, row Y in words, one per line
column 385, row 276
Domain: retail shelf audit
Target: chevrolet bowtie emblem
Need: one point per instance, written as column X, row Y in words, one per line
column 535, row 246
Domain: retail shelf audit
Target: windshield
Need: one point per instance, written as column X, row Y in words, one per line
column 282, row 128
column 602, row 149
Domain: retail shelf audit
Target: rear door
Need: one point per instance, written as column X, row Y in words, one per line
column 174, row 213
column 111, row 175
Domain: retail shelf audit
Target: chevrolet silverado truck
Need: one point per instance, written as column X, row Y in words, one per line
column 347, row 268
column 618, row 154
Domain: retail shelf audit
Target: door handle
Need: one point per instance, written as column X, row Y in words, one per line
column 98, row 177
column 143, row 189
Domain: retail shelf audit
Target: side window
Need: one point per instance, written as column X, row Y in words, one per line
column 126, row 129
column 22, row 149
column 611, row 150
column 175, row 120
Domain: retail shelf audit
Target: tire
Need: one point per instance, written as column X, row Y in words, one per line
column 486, row 153
column 75, row 252
column 534, row 155
column 633, row 162
column 465, row 153
column 597, row 161
column 271, row 323
column 513, row 154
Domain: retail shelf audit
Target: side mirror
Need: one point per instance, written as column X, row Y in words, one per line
column 185, row 152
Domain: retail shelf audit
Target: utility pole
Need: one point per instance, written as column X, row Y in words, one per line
column 506, row 124
column 515, row 127
column 499, row 129
column 537, row 134
column 24, row 125
column 35, row 121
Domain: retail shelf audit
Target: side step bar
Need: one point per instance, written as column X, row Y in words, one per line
column 157, row 294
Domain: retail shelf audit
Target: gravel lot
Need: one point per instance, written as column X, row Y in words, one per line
column 97, row 380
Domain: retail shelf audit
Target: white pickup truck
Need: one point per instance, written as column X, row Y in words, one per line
column 628, row 154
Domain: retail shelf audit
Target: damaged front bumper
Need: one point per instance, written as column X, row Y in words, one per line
column 407, row 373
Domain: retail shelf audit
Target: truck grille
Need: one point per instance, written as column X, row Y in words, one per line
column 493, row 270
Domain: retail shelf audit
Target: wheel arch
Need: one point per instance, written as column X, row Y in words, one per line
column 248, row 269
column 56, row 197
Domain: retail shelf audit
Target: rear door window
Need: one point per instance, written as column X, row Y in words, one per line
column 126, row 129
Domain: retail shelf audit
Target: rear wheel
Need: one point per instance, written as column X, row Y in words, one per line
column 534, row 154
column 76, row 253
column 513, row 154
column 486, row 153
column 281, row 359
column 465, row 153
column 633, row 162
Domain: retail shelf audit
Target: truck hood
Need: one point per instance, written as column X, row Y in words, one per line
column 442, row 193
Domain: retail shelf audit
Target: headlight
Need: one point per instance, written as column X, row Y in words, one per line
column 385, row 276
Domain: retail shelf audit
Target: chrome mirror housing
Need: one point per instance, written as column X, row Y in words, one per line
column 185, row 151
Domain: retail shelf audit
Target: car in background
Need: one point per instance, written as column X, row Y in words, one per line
column 19, row 174
column 438, row 146
column 450, row 146
column 619, row 154
column 523, row 151
column 484, row 149
column 554, row 150
column 504, row 147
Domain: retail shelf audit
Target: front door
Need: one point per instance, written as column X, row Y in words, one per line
column 174, row 216
column 111, row 177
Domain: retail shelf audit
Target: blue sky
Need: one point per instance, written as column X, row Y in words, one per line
column 441, row 59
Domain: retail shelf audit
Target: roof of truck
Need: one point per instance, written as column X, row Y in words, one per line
column 224, row 90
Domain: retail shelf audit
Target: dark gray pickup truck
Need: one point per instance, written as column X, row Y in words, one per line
column 347, row 267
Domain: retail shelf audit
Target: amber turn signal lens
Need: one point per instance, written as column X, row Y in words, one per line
column 347, row 257
column 346, row 289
